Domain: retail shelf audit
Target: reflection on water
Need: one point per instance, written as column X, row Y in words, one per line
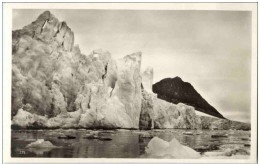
column 124, row 143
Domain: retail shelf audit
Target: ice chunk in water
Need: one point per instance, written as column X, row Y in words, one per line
column 40, row 143
column 158, row 147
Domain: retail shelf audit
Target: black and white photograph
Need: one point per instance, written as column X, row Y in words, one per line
column 132, row 83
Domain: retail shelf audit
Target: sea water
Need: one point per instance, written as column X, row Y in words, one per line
column 128, row 143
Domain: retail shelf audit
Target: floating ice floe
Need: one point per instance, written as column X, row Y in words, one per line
column 188, row 133
column 40, row 143
column 232, row 152
column 173, row 149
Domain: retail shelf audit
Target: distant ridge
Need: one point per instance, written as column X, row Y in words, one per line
column 175, row 90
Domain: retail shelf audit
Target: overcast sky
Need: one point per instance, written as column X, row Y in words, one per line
column 209, row 49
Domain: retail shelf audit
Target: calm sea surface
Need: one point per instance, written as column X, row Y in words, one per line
column 124, row 143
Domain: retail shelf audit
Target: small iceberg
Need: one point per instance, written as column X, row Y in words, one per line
column 187, row 133
column 40, row 143
column 231, row 152
column 173, row 149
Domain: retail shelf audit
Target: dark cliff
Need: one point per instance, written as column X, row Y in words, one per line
column 176, row 91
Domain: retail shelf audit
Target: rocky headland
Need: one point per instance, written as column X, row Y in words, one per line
column 175, row 90
column 54, row 85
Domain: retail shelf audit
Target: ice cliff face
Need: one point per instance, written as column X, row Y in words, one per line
column 160, row 114
column 147, row 79
column 223, row 124
column 178, row 116
column 115, row 100
column 49, row 29
column 43, row 68
column 54, row 85
column 147, row 111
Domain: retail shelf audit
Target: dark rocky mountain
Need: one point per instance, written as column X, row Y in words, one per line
column 176, row 91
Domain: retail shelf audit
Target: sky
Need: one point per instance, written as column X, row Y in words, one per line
column 209, row 49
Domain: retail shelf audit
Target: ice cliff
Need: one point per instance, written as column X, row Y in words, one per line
column 54, row 85
column 223, row 124
column 160, row 114
column 58, row 86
